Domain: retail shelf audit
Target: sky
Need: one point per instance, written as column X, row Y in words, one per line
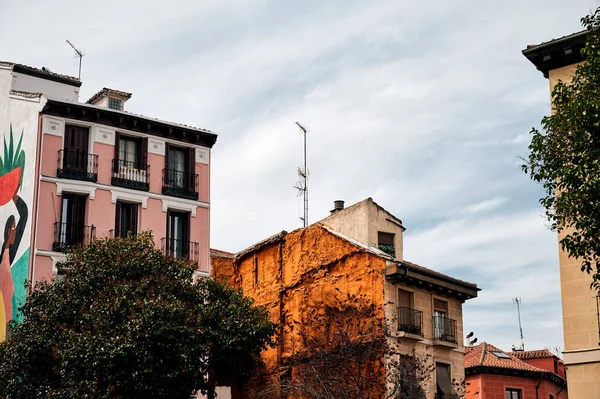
column 424, row 106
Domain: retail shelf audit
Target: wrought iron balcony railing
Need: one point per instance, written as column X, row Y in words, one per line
column 77, row 165
column 410, row 320
column 181, row 249
column 130, row 175
column 67, row 235
column 444, row 329
column 180, row 184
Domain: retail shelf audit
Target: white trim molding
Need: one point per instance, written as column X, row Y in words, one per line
column 76, row 188
column 54, row 126
column 116, row 195
column 202, row 155
column 591, row 355
column 179, row 206
column 55, row 256
column 103, row 135
column 156, row 146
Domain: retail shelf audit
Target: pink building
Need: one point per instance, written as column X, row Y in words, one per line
column 78, row 171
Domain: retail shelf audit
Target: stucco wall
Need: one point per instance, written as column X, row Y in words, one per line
column 50, row 88
column 363, row 221
column 492, row 386
column 16, row 207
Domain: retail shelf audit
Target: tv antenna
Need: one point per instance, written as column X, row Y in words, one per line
column 302, row 185
column 470, row 338
column 79, row 53
column 518, row 301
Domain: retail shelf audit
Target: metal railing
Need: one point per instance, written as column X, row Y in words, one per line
column 67, row 235
column 388, row 249
column 181, row 249
column 130, row 175
column 77, row 165
column 180, row 184
column 444, row 328
column 410, row 320
column 114, row 233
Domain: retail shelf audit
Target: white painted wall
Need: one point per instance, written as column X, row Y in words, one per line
column 50, row 88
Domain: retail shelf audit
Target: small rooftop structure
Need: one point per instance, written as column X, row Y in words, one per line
column 110, row 98
column 557, row 53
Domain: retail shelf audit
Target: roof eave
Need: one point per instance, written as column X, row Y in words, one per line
column 557, row 53
column 19, row 68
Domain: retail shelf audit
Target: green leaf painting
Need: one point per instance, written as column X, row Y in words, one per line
column 13, row 158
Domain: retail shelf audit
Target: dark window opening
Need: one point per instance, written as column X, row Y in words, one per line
column 444, row 328
column 409, row 319
column 126, row 220
column 179, row 177
column 178, row 234
column 74, row 161
column 512, row 393
column 130, row 165
column 385, row 242
column 71, row 230
column 443, row 381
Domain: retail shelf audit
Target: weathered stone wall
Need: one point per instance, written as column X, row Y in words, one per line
column 295, row 277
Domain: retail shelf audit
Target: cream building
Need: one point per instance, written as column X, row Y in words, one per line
column 558, row 60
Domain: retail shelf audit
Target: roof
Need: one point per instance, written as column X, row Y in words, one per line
column 535, row 354
column 128, row 120
column 482, row 356
column 557, row 53
column 436, row 273
column 43, row 73
column 261, row 244
column 217, row 253
column 108, row 92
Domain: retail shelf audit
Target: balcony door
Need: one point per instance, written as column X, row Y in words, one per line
column 126, row 219
column 440, row 310
column 177, row 159
column 75, row 150
column 178, row 234
column 72, row 219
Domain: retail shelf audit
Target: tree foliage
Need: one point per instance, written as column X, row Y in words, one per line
column 564, row 156
column 128, row 322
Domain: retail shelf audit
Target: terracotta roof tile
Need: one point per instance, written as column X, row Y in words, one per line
column 482, row 356
column 40, row 71
column 107, row 91
column 536, row 354
column 221, row 254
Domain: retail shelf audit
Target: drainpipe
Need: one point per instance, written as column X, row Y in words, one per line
column 537, row 387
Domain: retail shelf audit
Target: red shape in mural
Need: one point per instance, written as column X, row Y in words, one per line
column 9, row 184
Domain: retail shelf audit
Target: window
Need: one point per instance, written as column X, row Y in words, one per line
column 126, row 219
column 129, row 150
column 512, row 393
column 70, row 230
column 179, row 176
column 443, row 381
column 409, row 319
column 385, row 242
column 178, row 234
column 114, row 103
column 130, row 165
column 440, row 310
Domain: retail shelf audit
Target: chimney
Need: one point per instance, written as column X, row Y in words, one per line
column 109, row 98
column 338, row 205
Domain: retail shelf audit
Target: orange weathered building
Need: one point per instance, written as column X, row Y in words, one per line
column 355, row 251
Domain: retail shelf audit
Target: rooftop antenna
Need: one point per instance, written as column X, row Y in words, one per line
column 302, row 185
column 79, row 53
column 469, row 340
column 518, row 301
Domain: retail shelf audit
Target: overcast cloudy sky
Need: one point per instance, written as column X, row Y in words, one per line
column 424, row 106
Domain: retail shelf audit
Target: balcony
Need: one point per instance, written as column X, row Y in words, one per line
column 410, row 321
column 68, row 235
column 444, row 329
column 180, row 249
column 115, row 233
column 77, row 165
column 388, row 249
column 180, row 184
column 130, row 175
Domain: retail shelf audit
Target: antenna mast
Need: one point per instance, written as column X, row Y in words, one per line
column 518, row 301
column 302, row 186
column 80, row 55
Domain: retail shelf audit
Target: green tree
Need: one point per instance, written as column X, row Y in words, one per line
column 128, row 322
column 564, row 156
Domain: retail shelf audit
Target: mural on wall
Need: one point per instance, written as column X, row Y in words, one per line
column 13, row 272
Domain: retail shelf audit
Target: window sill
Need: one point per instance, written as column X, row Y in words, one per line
column 404, row 334
column 447, row 344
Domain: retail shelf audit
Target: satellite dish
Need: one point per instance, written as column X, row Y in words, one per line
column 470, row 334
column 474, row 341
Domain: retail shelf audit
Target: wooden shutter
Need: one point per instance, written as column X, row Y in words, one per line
column 143, row 153
column 440, row 306
column 405, row 299
column 133, row 221
column 192, row 169
column 385, row 238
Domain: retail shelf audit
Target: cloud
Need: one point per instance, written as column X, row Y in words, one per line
column 424, row 107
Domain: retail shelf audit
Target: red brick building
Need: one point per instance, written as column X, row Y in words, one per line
column 491, row 373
